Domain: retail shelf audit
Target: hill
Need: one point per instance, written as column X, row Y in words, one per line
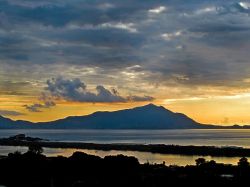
column 145, row 117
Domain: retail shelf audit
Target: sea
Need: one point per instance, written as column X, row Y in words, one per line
column 207, row 137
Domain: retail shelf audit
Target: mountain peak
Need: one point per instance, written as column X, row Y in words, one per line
column 152, row 106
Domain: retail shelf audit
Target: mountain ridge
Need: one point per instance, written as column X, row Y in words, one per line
column 148, row 116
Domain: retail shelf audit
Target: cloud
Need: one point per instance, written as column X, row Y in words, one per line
column 76, row 90
column 244, row 5
column 34, row 107
column 206, row 10
column 10, row 113
column 170, row 36
column 124, row 26
column 63, row 37
column 46, row 102
column 157, row 10
column 140, row 98
column 32, row 3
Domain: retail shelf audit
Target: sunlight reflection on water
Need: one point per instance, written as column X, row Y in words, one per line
column 218, row 137
column 143, row 157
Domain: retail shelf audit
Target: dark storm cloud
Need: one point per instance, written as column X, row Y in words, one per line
column 32, row 3
column 76, row 90
column 191, row 42
column 75, row 32
column 60, row 13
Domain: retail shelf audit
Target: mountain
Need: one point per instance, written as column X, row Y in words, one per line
column 146, row 117
column 6, row 123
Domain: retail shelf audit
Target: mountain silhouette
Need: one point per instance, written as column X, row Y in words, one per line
column 6, row 123
column 145, row 117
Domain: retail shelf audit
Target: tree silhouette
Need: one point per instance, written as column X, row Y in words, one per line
column 243, row 162
column 36, row 149
column 200, row 161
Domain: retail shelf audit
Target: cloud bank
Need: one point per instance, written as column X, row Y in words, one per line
column 182, row 47
column 76, row 90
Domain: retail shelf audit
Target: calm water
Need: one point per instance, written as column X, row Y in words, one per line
column 240, row 138
column 143, row 157
column 221, row 137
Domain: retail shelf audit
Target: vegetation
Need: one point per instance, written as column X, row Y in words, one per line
column 34, row 169
column 35, row 148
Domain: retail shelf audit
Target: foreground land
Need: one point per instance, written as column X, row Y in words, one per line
column 32, row 169
column 22, row 140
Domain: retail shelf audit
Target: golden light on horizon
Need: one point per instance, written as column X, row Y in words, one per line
column 217, row 110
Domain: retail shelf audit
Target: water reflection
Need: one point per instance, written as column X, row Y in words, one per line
column 217, row 137
column 143, row 157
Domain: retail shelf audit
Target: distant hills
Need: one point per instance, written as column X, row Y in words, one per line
column 145, row 117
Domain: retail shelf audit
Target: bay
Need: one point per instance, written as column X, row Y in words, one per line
column 211, row 137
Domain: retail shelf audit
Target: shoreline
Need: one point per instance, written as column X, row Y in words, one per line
column 151, row 148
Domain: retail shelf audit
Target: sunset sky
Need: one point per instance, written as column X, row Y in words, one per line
column 61, row 58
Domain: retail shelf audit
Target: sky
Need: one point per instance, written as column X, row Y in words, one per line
column 62, row 58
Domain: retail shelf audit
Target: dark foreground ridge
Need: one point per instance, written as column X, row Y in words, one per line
column 32, row 169
column 22, row 140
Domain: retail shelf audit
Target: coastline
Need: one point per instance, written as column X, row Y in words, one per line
column 151, row 148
